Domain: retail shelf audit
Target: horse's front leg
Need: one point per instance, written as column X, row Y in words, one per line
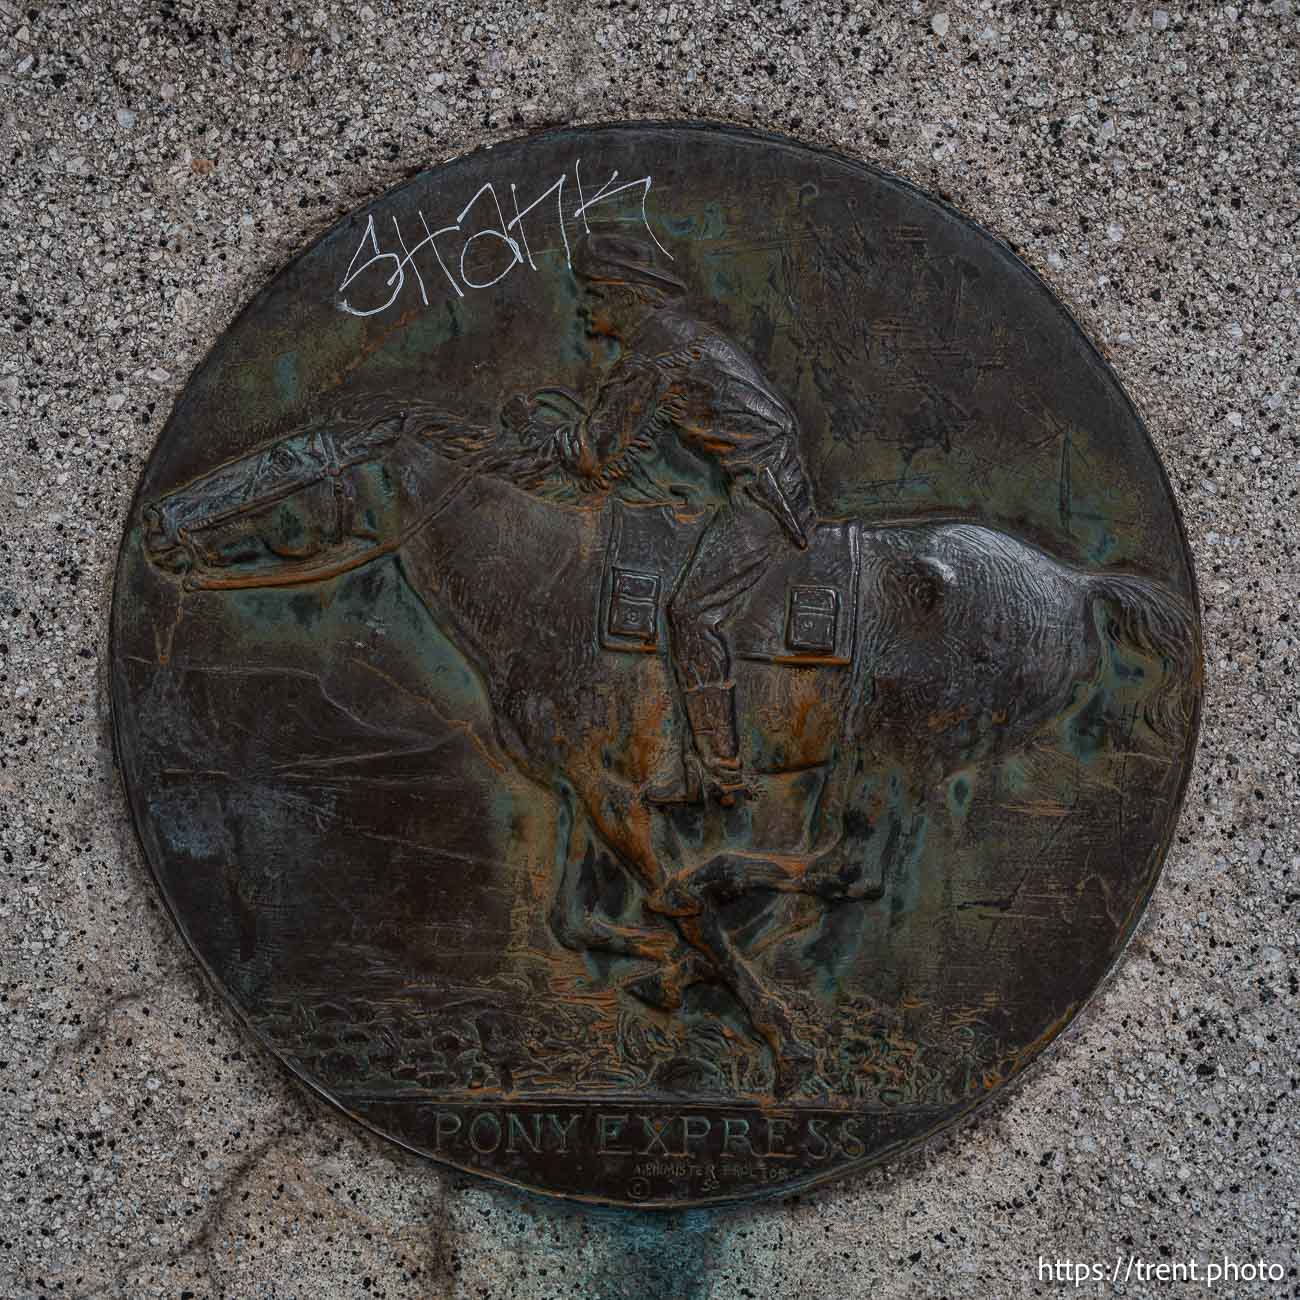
column 573, row 917
column 771, row 1016
column 624, row 822
column 879, row 819
column 853, row 808
column 579, row 927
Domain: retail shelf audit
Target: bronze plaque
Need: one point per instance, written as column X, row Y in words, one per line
column 655, row 664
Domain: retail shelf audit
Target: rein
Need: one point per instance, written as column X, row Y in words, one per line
column 293, row 575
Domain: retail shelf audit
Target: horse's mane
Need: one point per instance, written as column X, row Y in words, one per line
column 502, row 453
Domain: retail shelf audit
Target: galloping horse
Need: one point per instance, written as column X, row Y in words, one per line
column 968, row 641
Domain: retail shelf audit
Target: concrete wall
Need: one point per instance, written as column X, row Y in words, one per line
column 160, row 161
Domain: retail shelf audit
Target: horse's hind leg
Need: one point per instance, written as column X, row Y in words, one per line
column 850, row 808
column 876, row 815
column 729, row 875
column 827, row 824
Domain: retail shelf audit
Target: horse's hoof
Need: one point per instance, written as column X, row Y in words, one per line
column 672, row 794
column 872, row 893
column 673, row 901
column 835, row 876
column 688, row 1074
column 665, row 988
column 655, row 992
column 793, row 1065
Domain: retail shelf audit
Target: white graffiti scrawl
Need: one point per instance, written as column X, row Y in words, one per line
column 376, row 270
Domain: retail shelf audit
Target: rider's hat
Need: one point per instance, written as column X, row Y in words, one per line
column 620, row 259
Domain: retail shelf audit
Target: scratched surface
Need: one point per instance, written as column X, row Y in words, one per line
column 361, row 756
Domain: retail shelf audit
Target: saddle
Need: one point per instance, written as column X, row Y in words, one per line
column 801, row 610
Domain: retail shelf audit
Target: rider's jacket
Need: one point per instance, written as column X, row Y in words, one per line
column 682, row 377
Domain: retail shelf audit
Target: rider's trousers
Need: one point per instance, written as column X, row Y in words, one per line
column 739, row 542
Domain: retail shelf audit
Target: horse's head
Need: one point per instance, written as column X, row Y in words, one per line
column 261, row 519
column 163, row 550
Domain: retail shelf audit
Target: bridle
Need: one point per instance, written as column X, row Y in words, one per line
column 199, row 577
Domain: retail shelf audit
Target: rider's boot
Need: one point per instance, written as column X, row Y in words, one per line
column 714, row 766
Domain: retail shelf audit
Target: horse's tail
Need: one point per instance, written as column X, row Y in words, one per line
column 1155, row 621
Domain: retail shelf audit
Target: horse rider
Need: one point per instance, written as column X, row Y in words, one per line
column 681, row 377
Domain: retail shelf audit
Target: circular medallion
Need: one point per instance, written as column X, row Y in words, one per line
column 655, row 664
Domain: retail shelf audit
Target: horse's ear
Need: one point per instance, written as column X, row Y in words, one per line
column 391, row 424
